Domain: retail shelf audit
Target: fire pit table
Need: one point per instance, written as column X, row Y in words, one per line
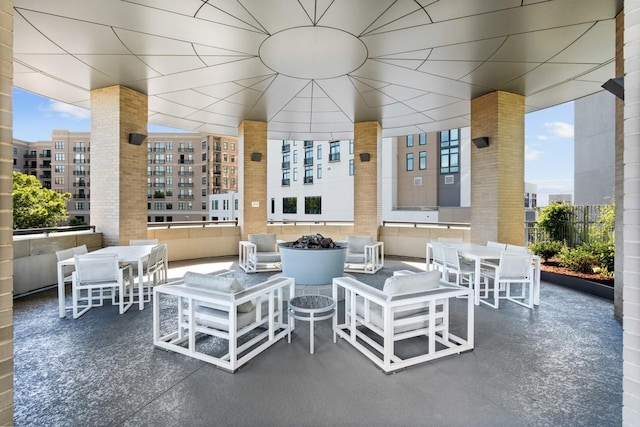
column 313, row 260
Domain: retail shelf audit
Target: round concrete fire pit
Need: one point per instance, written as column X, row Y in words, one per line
column 312, row 265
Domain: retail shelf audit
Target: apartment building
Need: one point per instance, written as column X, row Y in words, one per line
column 183, row 169
column 310, row 180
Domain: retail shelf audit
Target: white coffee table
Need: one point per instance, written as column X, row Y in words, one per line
column 310, row 308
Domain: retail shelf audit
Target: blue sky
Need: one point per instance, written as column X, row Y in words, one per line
column 548, row 137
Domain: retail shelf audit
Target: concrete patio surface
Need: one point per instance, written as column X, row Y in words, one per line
column 558, row 365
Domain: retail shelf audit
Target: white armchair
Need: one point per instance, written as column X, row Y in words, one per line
column 259, row 253
column 210, row 305
column 364, row 255
column 409, row 306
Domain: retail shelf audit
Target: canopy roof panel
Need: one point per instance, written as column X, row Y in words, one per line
column 313, row 68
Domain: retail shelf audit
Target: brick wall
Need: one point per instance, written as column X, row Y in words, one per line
column 497, row 171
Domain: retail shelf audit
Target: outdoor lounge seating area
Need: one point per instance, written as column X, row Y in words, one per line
column 559, row 364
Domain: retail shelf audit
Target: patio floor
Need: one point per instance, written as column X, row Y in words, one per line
column 558, row 365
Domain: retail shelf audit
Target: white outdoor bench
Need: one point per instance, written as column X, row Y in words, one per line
column 202, row 313
column 412, row 305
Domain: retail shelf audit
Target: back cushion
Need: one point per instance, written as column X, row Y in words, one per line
column 264, row 242
column 207, row 282
column 411, row 283
column 357, row 243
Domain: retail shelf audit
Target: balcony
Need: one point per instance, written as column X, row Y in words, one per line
column 45, row 155
column 185, row 150
column 30, row 156
column 308, row 144
column 45, row 166
column 157, row 162
column 79, row 149
column 308, row 180
column 80, row 184
column 185, row 184
column 185, row 161
column 286, row 182
column 159, row 150
column 185, row 173
column 158, row 173
column 185, row 196
column 80, row 196
column 286, row 165
column 308, row 161
column 507, row 380
column 45, row 176
column 286, row 148
column 80, row 161
column 334, row 157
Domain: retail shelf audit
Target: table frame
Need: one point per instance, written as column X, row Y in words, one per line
column 313, row 314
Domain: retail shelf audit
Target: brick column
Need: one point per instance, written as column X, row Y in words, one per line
column 619, row 171
column 6, row 213
column 252, row 178
column 497, row 171
column 366, row 185
column 118, row 169
column 631, row 225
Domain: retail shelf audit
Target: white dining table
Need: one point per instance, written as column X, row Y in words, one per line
column 481, row 253
column 130, row 254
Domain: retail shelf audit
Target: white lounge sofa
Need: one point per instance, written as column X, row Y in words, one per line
column 411, row 305
column 202, row 306
column 363, row 255
column 259, row 253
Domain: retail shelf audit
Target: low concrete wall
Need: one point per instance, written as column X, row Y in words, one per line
column 197, row 242
column 412, row 241
column 34, row 257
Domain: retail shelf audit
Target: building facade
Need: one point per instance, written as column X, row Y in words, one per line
column 183, row 169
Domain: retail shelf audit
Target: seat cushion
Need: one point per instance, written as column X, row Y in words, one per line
column 219, row 319
column 208, row 282
column 265, row 242
column 264, row 257
column 410, row 283
column 352, row 258
column 357, row 243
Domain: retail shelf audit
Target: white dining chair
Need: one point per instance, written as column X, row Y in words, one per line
column 497, row 245
column 99, row 273
column 514, row 268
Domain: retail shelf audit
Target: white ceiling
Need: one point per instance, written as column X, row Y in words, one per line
column 311, row 68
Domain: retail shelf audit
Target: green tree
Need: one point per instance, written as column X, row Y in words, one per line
column 35, row 206
column 555, row 220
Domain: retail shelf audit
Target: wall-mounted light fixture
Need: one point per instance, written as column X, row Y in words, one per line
column 256, row 157
column 615, row 86
column 136, row 138
column 365, row 157
column 481, row 142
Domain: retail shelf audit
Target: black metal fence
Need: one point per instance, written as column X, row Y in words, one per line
column 583, row 226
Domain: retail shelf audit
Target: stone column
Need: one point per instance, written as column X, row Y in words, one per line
column 6, row 213
column 252, row 177
column 497, row 171
column 366, row 185
column 118, row 168
column 631, row 215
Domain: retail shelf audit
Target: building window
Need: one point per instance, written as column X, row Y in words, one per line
column 313, row 205
column 422, row 160
column 319, row 171
column 58, row 180
column 233, row 170
column 203, row 145
column 409, row 140
column 295, row 156
column 423, row 139
column 233, row 158
column 308, row 156
column 204, row 180
column 233, row 182
column 319, row 152
column 59, row 157
column 158, row 206
column 449, row 151
column 409, row 161
column 225, row 145
column 334, row 151
column 308, row 175
column 526, row 200
column 204, row 192
column 181, row 206
column 286, row 177
column 59, row 145
column 79, row 206
column 295, row 174
column 214, row 205
column 351, row 167
column 235, row 204
column 169, row 146
column 204, row 206
column 59, row 168
column 289, row 205
column 351, row 146
column 169, row 205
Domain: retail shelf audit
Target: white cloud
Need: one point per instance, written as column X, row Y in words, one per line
column 531, row 155
column 542, row 137
column 66, row 111
column 561, row 129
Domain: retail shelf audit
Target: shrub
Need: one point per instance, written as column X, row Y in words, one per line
column 579, row 259
column 555, row 220
column 605, row 252
column 547, row 249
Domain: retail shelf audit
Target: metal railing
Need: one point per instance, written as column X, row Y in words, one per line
column 49, row 230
